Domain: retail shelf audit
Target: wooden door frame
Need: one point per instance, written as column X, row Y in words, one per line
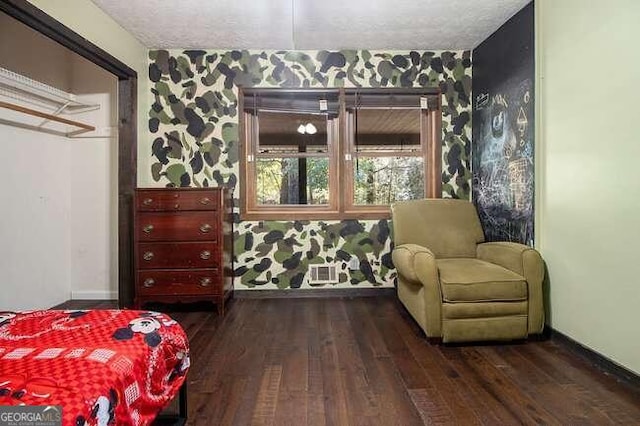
column 38, row 20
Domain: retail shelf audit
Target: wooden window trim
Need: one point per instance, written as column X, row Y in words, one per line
column 250, row 209
column 376, row 210
column 433, row 155
column 340, row 144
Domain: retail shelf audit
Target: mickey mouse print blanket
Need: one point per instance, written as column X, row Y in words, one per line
column 103, row 367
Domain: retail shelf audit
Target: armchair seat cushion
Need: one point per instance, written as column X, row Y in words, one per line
column 474, row 280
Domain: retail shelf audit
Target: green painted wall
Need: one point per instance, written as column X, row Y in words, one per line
column 193, row 141
column 588, row 188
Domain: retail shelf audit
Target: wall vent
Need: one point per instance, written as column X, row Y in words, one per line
column 322, row 274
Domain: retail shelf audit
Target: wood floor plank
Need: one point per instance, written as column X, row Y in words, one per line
column 295, row 358
column 431, row 411
column 473, row 388
column 396, row 404
column 512, row 396
column 442, row 380
column 413, row 375
column 292, row 401
column 361, row 403
column 390, row 393
column 575, row 372
column 250, row 362
column 229, row 408
column 267, row 401
column 362, row 321
column 537, row 384
column 364, row 361
column 315, row 384
column 335, row 397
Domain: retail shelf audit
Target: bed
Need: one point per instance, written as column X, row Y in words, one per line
column 103, row 367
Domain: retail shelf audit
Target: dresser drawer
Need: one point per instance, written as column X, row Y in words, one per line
column 161, row 283
column 192, row 226
column 177, row 200
column 178, row 255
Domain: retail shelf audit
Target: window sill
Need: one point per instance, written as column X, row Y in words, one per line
column 286, row 215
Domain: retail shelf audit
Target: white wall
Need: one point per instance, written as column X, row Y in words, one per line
column 88, row 20
column 94, row 187
column 35, row 170
column 23, row 61
column 59, row 209
column 34, row 248
column 588, row 201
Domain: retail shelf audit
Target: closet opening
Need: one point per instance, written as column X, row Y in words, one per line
column 68, row 124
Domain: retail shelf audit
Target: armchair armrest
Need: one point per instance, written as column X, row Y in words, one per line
column 403, row 258
column 417, row 265
column 511, row 256
column 525, row 261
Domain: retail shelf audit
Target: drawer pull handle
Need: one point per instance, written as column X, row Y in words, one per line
column 148, row 255
column 149, row 282
column 205, row 227
column 147, row 229
column 204, row 255
column 176, row 206
column 147, row 201
column 204, row 201
column 205, row 282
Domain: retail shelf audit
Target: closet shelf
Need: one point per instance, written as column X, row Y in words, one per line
column 17, row 87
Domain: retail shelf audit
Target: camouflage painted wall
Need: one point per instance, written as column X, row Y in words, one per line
column 193, row 124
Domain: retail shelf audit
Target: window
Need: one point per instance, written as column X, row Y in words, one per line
column 333, row 154
column 291, row 157
column 387, row 143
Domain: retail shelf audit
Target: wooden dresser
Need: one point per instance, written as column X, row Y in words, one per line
column 183, row 245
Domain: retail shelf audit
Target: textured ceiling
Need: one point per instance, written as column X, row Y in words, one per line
column 311, row 24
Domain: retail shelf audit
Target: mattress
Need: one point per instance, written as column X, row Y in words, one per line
column 100, row 367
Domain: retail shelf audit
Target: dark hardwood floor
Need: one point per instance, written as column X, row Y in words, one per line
column 363, row 361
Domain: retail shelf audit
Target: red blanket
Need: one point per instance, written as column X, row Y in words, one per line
column 103, row 367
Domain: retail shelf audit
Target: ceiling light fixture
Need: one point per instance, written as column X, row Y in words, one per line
column 311, row 129
column 307, row 129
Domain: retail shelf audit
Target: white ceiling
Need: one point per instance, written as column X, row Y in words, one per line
column 311, row 24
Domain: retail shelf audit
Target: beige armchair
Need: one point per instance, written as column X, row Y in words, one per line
column 456, row 286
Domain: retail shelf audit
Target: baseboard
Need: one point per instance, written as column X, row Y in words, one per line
column 94, row 295
column 313, row 293
column 604, row 364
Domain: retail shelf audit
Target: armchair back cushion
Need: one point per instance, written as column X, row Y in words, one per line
column 457, row 229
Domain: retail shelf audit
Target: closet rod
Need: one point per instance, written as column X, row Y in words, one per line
column 35, row 113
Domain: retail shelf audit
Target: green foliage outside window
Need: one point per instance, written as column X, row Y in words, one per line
column 277, row 181
column 384, row 180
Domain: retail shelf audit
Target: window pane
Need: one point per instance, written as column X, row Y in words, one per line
column 279, row 179
column 383, row 180
column 387, row 130
column 290, row 132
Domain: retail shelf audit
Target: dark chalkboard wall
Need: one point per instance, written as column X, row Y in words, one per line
column 503, row 130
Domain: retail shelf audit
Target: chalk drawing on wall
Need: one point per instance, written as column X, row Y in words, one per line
column 503, row 163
